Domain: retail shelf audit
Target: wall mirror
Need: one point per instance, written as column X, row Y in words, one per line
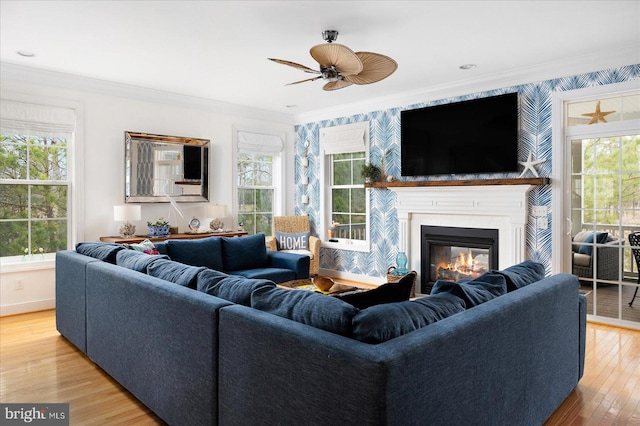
column 163, row 168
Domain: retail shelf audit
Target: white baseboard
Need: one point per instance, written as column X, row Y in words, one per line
column 22, row 308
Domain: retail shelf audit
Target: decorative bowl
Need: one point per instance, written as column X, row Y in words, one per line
column 323, row 283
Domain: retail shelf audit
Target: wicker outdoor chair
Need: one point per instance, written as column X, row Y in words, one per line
column 634, row 240
column 607, row 256
column 297, row 224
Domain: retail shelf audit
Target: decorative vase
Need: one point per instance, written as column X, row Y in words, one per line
column 401, row 261
column 158, row 231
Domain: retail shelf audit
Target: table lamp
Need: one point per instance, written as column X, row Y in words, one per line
column 125, row 213
column 216, row 212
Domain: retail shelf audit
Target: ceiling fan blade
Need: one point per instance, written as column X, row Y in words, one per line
column 293, row 64
column 308, row 79
column 335, row 85
column 375, row 68
column 343, row 58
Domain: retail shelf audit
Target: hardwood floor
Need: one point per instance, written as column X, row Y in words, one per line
column 38, row 365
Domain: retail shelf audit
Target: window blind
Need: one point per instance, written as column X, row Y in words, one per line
column 259, row 142
column 36, row 120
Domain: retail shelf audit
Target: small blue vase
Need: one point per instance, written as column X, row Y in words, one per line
column 401, row 261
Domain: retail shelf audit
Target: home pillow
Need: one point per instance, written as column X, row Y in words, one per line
column 307, row 307
column 385, row 293
column 587, row 247
column 233, row 288
column 292, row 241
column 200, row 252
column 145, row 246
column 241, row 253
column 473, row 292
column 104, row 251
column 522, row 274
column 136, row 260
column 384, row 322
column 175, row 272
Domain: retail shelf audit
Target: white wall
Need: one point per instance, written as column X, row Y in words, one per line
column 101, row 165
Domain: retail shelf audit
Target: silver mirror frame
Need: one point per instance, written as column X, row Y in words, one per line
column 130, row 137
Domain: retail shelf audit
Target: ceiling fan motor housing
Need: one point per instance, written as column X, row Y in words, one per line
column 330, row 35
column 330, row 73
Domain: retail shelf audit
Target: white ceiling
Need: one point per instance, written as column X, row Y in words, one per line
column 218, row 50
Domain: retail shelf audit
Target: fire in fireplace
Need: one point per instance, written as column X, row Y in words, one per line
column 452, row 253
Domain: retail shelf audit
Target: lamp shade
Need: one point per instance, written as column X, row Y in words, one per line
column 127, row 212
column 217, row 211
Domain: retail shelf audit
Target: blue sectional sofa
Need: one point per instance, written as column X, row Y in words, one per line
column 212, row 348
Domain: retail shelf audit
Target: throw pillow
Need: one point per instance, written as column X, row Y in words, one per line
column 522, row 274
column 145, row 246
column 587, row 247
column 175, row 272
column 104, row 251
column 384, row 322
column 292, row 241
column 307, row 307
column 242, row 253
column 386, row 293
column 135, row 260
column 233, row 288
column 200, row 252
column 473, row 292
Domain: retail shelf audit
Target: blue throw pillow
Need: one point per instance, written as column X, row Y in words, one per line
column 175, row 272
column 241, row 253
column 474, row 292
column 201, row 252
column 104, row 251
column 587, row 247
column 292, row 241
column 136, row 260
column 233, row 288
column 522, row 274
column 383, row 322
column 307, row 307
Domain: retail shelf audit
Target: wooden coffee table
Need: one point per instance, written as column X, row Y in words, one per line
column 307, row 284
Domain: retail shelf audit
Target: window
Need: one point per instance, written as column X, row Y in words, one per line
column 258, row 173
column 34, row 185
column 345, row 205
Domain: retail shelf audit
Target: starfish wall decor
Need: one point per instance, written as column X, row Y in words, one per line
column 531, row 164
column 598, row 116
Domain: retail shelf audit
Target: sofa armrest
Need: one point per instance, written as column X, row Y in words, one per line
column 298, row 263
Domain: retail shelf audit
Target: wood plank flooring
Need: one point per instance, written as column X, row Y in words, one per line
column 38, row 365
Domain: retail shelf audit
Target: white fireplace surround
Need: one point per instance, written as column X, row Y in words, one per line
column 502, row 207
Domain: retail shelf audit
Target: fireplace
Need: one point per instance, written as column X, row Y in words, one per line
column 454, row 253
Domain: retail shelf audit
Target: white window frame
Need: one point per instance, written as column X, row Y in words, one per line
column 75, row 177
column 350, row 136
column 265, row 141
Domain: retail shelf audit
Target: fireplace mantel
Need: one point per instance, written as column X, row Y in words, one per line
column 476, row 205
column 459, row 182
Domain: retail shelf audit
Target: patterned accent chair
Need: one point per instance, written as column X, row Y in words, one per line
column 607, row 254
column 297, row 224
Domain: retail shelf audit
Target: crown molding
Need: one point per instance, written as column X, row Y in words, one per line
column 66, row 81
column 562, row 68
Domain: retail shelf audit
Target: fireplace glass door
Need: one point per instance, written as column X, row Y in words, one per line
column 455, row 262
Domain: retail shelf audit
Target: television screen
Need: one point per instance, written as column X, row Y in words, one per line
column 475, row 136
column 192, row 162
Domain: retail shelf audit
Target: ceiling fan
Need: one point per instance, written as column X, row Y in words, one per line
column 342, row 67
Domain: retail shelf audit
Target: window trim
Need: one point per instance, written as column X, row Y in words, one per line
column 325, row 184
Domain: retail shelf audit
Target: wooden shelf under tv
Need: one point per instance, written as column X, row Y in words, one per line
column 462, row 182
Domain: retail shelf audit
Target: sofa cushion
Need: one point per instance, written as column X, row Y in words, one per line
column 277, row 275
column 583, row 260
column 200, row 252
column 587, row 247
column 522, row 274
column 383, row 322
column 475, row 292
column 175, row 272
column 385, row 293
column 145, row 246
column 104, row 251
column 307, row 307
column 243, row 252
column 136, row 260
column 233, row 288
column 292, row 241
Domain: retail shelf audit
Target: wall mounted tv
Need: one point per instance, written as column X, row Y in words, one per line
column 475, row 136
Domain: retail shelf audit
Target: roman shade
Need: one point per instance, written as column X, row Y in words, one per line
column 36, row 120
column 259, row 142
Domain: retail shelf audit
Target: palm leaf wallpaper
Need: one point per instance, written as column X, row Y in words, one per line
column 535, row 136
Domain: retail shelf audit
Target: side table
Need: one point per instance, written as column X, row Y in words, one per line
column 187, row 236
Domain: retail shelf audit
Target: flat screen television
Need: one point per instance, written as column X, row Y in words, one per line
column 475, row 136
